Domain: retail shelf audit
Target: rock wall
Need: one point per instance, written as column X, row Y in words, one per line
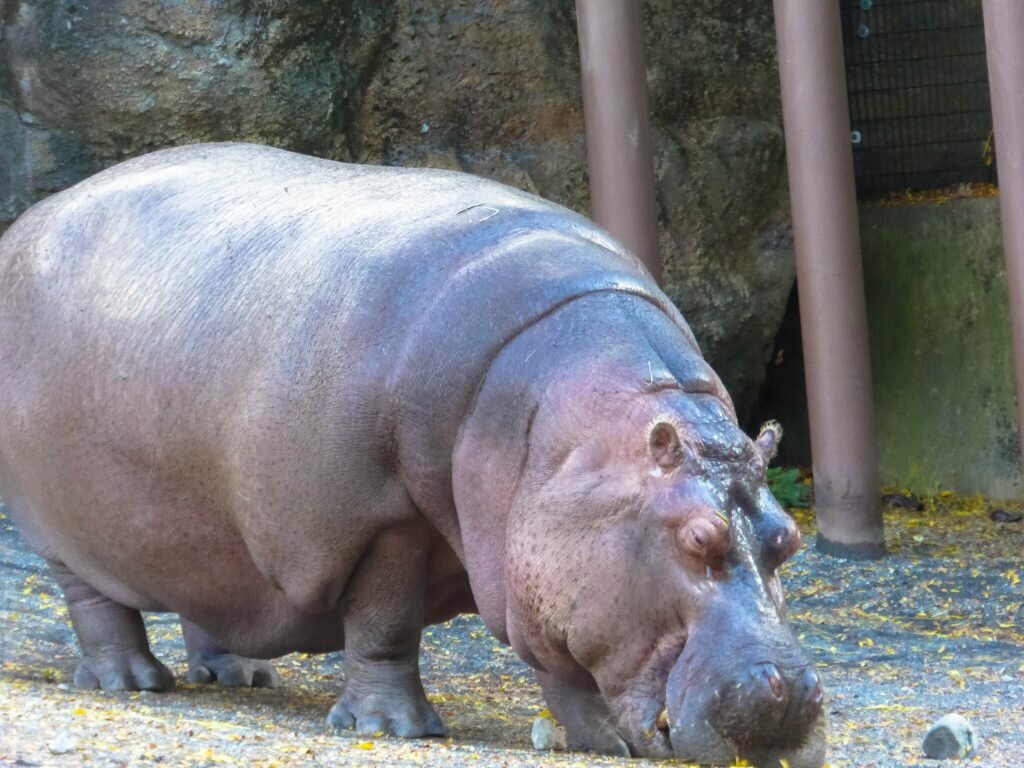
column 479, row 85
column 941, row 347
column 941, row 352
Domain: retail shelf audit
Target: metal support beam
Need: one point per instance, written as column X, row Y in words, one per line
column 830, row 279
column 1004, row 41
column 617, row 125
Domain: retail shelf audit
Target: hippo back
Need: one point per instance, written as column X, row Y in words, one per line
column 208, row 290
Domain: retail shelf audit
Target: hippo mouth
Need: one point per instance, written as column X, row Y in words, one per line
column 712, row 749
column 701, row 743
column 768, row 717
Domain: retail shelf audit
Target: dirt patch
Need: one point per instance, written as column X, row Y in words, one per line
column 936, row 627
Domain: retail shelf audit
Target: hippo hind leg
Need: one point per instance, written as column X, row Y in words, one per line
column 383, row 618
column 208, row 662
column 115, row 649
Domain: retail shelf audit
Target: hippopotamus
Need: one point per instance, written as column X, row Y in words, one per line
column 312, row 406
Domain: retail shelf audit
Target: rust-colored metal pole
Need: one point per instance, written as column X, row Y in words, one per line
column 830, row 279
column 1004, row 33
column 617, row 125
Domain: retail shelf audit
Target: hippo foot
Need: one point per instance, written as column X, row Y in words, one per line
column 394, row 714
column 123, row 670
column 603, row 740
column 231, row 671
column 584, row 715
column 115, row 650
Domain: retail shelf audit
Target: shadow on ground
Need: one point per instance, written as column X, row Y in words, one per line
column 936, row 627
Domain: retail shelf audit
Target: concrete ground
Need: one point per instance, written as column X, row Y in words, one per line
column 936, row 627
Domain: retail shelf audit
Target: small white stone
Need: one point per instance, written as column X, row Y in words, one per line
column 547, row 734
column 63, row 743
column 952, row 737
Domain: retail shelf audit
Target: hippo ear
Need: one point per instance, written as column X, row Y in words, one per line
column 664, row 444
column 768, row 439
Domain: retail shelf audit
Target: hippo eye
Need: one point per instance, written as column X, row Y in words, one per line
column 704, row 541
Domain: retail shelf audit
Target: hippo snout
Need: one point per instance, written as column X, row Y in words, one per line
column 768, row 706
column 769, row 713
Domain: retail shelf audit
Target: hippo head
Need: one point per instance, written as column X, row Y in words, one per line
column 642, row 559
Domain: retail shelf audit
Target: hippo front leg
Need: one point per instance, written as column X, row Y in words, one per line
column 115, row 649
column 208, row 662
column 383, row 620
column 589, row 726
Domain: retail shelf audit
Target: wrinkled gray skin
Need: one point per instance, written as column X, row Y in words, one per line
column 308, row 406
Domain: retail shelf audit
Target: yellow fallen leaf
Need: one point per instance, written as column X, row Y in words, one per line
column 365, row 745
column 215, row 757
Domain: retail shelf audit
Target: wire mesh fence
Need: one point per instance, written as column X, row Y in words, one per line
column 920, row 112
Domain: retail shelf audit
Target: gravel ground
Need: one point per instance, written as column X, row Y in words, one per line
column 936, row 627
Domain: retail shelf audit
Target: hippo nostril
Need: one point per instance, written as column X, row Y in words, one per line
column 812, row 685
column 753, row 710
column 774, row 678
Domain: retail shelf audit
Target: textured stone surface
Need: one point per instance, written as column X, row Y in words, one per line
column 952, row 737
column 546, row 734
column 941, row 347
column 85, row 84
column 487, row 87
column 63, row 743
